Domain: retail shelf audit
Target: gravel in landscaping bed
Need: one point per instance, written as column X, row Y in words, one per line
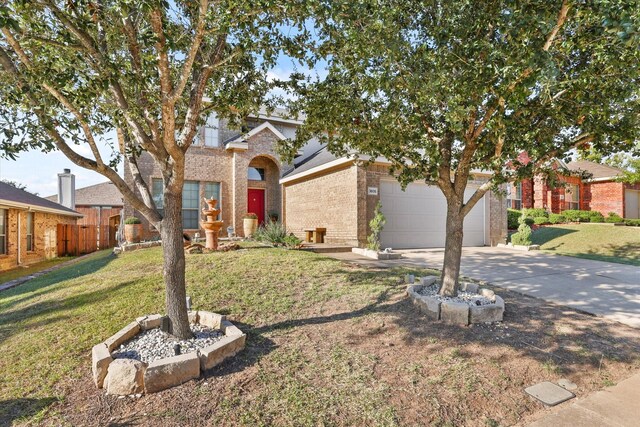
column 472, row 299
column 154, row 344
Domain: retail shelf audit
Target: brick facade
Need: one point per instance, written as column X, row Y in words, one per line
column 44, row 237
column 229, row 167
column 328, row 200
column 338, row 200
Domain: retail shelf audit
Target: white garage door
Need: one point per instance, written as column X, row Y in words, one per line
column 632, row 204
column 416, row 217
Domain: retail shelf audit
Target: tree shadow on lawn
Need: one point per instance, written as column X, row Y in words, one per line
column 627, row 253
column 15, row 409
column 41, row 285
column 529, row 329
column 544, row 235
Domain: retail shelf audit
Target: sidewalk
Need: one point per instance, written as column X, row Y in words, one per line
column 20, row 280
column 615, row 406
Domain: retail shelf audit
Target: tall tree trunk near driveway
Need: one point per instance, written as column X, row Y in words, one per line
column 452, row 248
column 174, row 265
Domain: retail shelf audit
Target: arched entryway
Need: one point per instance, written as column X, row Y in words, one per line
column 263, row 188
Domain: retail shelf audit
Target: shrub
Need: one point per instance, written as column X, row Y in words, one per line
column 292, row 242
column 376, row 225
column 512, row 218
column 614, row 217
column 540, row 220
column 596, row 217
column 132, row 220
column 523, row 236
column 557, row 218
column 575, row 215
column 271, row 232
column 535, row 212
column 632, row 222
column 527, row 220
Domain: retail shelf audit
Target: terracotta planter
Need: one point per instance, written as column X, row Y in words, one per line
column 249, row 226
column 132, row 233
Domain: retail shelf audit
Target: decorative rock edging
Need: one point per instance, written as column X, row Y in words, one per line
column 128, row 376
column 128, row 247
column 376, row 254
column 456, row 312
column 525, row 248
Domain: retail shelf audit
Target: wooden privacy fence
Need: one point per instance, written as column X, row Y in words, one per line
column 77, row 240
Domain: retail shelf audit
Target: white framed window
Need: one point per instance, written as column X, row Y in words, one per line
column 209, row 132
column 256, row 174
column 3, row 231
column 514, row 196
column 572, row 196
column 30, row 226
column 190, row 205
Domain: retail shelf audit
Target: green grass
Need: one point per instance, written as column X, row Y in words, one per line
column 17, row 272
column 593, row 241
column 48, row 325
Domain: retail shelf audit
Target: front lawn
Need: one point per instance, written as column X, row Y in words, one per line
column 603, row 242
column 328, row 344
column 17, row 272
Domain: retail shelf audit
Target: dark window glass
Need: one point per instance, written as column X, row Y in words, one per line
column 256, row 174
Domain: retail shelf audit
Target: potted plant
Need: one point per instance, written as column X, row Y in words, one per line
column 250, row 224
column 132, row 229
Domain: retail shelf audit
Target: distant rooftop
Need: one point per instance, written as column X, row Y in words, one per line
column 13, row 197
column 103, row 194
column 599, row 171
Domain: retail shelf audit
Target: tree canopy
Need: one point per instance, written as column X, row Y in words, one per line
column 445, row 88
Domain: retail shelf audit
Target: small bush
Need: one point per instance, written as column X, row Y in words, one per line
column 596, row 217
column 540, row 220
column 512, row 218
column 557, row 218
column 271, row 232
column 132, row 220
column 291, row 241
column 535, row 212
column 527, row 220
column 632, row 222
column 523, row 236
column 614, row 217
column 376, row 225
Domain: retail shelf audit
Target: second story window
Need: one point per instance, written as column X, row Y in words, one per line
column 209, row 134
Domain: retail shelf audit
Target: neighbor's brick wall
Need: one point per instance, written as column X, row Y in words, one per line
column 329, row 201
column 229, row 168
column 607, row 197
column 45, row 227
column 527, row 193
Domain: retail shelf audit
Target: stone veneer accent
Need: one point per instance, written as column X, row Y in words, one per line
column 128, row 378
column 456, row 312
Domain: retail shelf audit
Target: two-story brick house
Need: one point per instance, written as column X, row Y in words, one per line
column 240, row 169
column 244, row 172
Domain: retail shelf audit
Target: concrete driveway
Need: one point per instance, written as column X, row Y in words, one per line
column 605, row 289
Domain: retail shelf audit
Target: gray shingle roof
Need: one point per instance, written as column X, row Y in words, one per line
column 10, row 194
column 318, row 158
column 103, row 194
column 596, row 169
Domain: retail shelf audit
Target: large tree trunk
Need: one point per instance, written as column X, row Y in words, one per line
column 453, row 248
column 174, row 266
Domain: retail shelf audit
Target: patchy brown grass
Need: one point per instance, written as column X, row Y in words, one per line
column 328, row 344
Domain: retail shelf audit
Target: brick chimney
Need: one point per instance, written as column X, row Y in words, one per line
column 67, row 189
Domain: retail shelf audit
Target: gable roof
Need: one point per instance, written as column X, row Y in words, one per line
column 241, row 142
column 103, row 194
column 13, row 197
column 599, row 171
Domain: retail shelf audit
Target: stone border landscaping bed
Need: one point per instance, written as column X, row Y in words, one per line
column 451, row 311
column 128, row 376
column 382, row 255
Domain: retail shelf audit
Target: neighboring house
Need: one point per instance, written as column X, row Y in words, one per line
column 600, row 192
column 244, row 172
column 340, row 194
column 28, row 225
column 101, row 204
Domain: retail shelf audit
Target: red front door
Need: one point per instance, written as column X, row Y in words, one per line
column 256, row 203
